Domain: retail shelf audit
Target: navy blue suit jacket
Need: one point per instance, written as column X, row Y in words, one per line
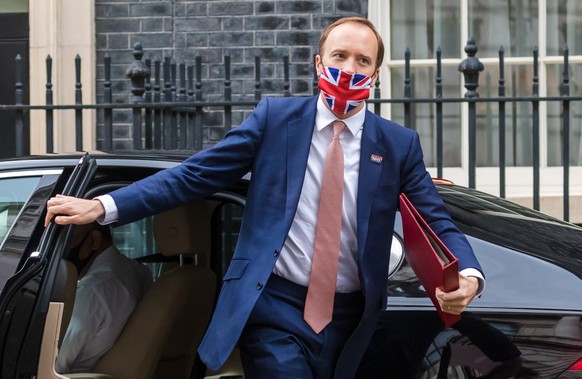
column 273, row 143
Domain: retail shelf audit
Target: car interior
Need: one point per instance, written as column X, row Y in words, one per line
column 162, row 335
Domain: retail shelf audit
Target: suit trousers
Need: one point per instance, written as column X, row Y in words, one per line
column 278, row 344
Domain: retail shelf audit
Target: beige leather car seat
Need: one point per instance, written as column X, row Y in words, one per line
column 57, row 319
column 162, row 335
column 180, row 351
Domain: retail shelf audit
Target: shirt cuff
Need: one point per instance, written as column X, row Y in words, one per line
column 111, row 214
column 476, row 274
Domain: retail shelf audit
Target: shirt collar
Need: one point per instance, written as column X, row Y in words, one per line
column 324, row 117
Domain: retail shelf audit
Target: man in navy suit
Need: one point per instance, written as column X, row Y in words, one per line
column 283, row 143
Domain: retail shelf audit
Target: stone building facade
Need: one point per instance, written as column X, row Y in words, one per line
column 241, row 29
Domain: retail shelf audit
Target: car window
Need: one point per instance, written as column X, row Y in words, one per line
column 14, row 193
column 136, row 240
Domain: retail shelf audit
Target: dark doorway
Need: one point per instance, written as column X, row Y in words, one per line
column 13, row 42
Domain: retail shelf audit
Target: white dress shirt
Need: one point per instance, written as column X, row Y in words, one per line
column 105, row 298
column 294, row 263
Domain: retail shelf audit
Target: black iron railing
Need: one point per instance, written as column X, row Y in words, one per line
column 168, row 108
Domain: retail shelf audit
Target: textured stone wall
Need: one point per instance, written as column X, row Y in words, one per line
column 241, row 29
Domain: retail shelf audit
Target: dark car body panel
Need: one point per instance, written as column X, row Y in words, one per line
column 525, row 324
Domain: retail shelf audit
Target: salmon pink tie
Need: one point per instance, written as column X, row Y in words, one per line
column 321, row 290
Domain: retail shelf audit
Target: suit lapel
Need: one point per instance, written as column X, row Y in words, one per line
column 299, row 133
column 371, row 162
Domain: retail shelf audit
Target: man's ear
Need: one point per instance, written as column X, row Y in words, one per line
column 375, row 77
column 318, row 64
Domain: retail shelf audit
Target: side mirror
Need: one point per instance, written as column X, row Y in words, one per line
column 396, row 255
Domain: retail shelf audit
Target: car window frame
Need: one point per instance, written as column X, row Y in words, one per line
column 19, row 238
column 25, row 299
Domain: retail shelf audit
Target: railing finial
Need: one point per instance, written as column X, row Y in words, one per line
column 138, row 72
column 470, row 67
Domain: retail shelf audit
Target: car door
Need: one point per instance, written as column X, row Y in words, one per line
column 25, row 298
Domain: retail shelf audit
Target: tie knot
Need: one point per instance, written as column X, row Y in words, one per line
column 338, row 127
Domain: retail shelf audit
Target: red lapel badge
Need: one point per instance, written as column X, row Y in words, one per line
column 376, row 158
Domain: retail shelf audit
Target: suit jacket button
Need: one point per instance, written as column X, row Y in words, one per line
column 276, row 253
column 259, row 286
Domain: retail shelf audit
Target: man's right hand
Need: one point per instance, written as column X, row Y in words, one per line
column 72, row 210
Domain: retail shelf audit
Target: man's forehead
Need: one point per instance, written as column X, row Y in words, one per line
column 350, row 37
column 354, row 30
column 350, row 27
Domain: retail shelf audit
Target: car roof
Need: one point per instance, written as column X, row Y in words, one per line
column 147, row 158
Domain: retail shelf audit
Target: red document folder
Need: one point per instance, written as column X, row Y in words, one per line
column 434, row 265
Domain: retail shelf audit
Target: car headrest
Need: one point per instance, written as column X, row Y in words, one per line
column 184, row 230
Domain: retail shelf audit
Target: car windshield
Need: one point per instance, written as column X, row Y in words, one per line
column 508, row 224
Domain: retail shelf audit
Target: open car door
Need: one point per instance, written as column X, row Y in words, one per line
column 24, row 301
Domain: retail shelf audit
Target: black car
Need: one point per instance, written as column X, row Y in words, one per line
column 526, row 324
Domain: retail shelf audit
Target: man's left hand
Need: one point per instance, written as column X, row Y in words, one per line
column 456, row 301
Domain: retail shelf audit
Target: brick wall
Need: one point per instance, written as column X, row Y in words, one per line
column 242, row 29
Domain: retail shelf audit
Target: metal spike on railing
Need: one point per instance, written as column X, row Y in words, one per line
column 565, row 92
column 182, row 127
column 536, row 132
column 286, row 83
column 377, row 96
column 19, row 121
column 190, row 118
column 407, row 89
column 157, row 98
column 227, row 94
column 257, row 78
column 167, row 114
column 501, row 93
column 78, row 102
column 199, row 111
column 49, row 103
column 107, row 112
column 439, row 114
column 148, row 121
column 471, row 67
column 137, row 72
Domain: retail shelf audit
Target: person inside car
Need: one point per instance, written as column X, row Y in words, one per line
column 109, row 287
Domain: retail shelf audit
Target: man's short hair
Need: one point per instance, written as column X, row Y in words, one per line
column 359, row 20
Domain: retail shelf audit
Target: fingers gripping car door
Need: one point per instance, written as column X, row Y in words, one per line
column 25, row 299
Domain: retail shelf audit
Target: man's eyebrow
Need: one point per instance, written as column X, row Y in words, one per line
column 346, row 51
column 338, row 50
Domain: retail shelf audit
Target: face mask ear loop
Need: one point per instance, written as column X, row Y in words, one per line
column 320, row 71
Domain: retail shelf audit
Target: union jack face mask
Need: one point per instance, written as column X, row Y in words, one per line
column 342, row 91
